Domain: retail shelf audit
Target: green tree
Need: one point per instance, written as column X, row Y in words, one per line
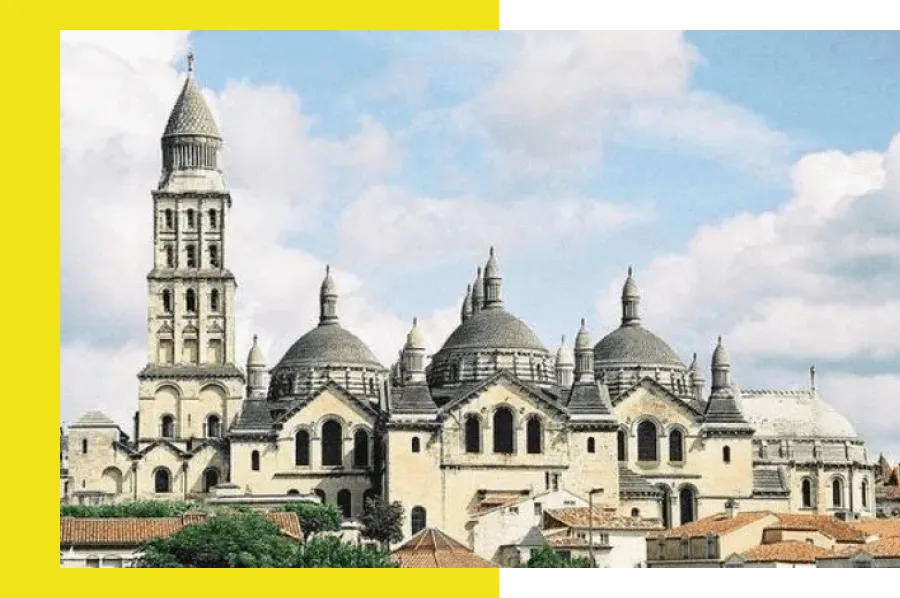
column 547, row 558
column 143, row 508
column 315, row 517
column 328, row 552
column 246, row 540
column 381, row 521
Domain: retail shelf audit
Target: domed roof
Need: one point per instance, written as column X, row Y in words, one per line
column 415, row 339
column 493, row 329
column 720, row 355
column 582, row 339
column 564, row 355
column 256, row 357
column 329, row 344
column 793, row 414
column 635, row 345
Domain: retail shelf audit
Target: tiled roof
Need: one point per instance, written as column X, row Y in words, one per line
column 566, row 541
column 889, row 492
column 785, row 552
column 717, row 524
column 883, row 528
column 830, row 526
column 886, row 547
column 94, row 419
column 134, row 531
column 793, row 414
column 433, row 549
column 190, row 371
column 633, row 485
column 722, row 410
column 414, row 398
column 769, row 482
column 491, row 499
column 328, row 345
column 253, row 417
column 191, row 115
column 492, row 329
column 589, row 398
column 579, row 517
column 633, row 345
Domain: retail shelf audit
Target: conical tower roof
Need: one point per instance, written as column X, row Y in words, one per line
column 191, row 114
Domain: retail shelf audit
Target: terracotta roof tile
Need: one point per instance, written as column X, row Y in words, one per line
column 134, row 531
column 433, row 549
column 785, row 552
column 579, row 517
column 886, row 547
column 827, row 525
column 717, row 524
column 891, row 492
column 883, row 528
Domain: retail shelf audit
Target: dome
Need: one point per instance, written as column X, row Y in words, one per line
column 793, row 414
column 329, row 344
column 720, row 355
column 256, row 357
column 582, row 339
column 493, row 329
column 415, row 340
column 634, row 345
column 564, row 356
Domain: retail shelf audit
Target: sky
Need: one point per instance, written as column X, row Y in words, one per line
column 752, row 180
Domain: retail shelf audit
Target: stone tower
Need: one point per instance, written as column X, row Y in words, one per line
column 191, row 387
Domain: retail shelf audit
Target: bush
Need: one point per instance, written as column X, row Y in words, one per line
column 547, row 558
column 328, row 552
column 146, row 508
column 382, row 522
column 315, row 517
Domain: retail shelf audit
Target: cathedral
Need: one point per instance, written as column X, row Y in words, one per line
column 492, row 414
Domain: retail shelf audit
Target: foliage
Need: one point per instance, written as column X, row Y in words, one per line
column 315, row 517
column 547, row 558
column 326, row 552
column 249, row 540
column 246, row 540
column 146, row 508
column 381, row 521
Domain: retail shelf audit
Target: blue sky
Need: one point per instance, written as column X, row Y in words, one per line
column 736, row 171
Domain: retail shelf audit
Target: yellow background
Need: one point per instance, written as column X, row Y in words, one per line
column 30, row 235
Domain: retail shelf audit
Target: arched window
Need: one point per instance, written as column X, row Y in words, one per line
column 864, row 494
column 167, row 301
column 419, row 519
column 591, row 445
column 301, row 448
column 621, row 445
column 332, row 449
column 210, row 479
column 647, row 441
column 190, row 301
column 191, row 253
column 533, row 436
column 213, row 251
column 213, row 426
column 84, row 446
column 170, row 257
column 344, row 502
column 162, row 481
column 320, row 493
column 190, row 219
column 361, row 449
column 213, row 221
column 167, row 427
column 504, row 441
column 473, row 434
column 254, row 460
column 416, row 444
column 214, row 300
column 806, row 492
column 293, row 492
column 726, row 454
column 687, row 503
column 676, row 446
column 169, row 222
column 635, row 512
column 837, row 492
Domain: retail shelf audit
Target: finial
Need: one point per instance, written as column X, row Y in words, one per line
column 327, row 269
column 563, row 340
column 479, row 271
column 255, row 338
column 582, row 322
column 720, row 339
column 695, row 356
column 190, row 60
column 629, row 270
column 415, row 322
column 492, row 251
column 812, row 377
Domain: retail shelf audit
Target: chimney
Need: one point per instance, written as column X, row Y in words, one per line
column 732, row 508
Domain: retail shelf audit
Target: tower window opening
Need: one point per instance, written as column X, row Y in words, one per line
column 214, row 300
column 170, row 257
column 190, row 301
column 214, row 256
column 168, row 220
column 191, row 251
column 167, row 301
column 213, row 221
column 190, row 219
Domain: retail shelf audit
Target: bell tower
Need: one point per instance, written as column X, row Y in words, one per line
column 191, row 386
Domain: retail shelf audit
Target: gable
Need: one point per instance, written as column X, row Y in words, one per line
column 648, row 398
column 330, row 401
column 504, row 389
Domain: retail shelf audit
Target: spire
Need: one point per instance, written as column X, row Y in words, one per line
column 584, row 356
column 697, row 381
column 328, row 300
column 812, row 378
column 478, row 293
column 631, row 299
column 191, row 115
column 413, row 355
column 721, row 368
column 492, row 283
column 256, row 371
column 415, row 340
column 466, row 311
column 565, row 364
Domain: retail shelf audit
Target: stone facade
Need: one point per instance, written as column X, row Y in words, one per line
column 493, row 414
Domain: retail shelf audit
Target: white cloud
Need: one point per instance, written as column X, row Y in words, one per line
column 116, row 92
column 564, row 94
column 418, row 230
column 818, row 278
